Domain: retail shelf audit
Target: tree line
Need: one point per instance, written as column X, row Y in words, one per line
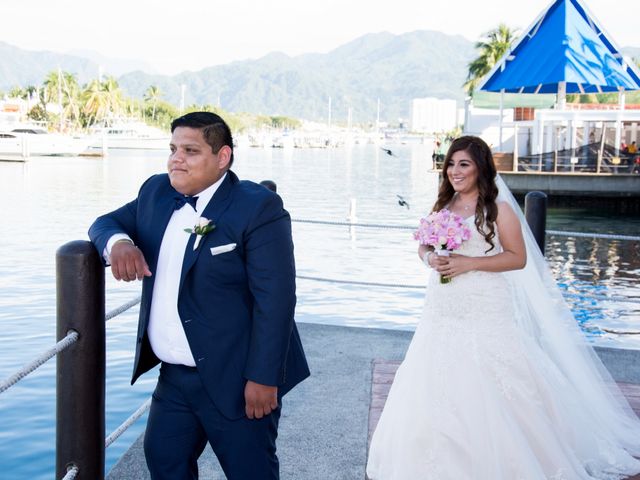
column 101, row 101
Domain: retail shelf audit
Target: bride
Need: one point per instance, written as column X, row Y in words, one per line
column 498, row 382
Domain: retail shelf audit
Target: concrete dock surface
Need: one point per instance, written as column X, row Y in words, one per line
column 325, row 423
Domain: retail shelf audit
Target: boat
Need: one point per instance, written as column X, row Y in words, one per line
column 35, row 141
column 128, row 134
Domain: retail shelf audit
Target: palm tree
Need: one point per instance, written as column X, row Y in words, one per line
column 96, row 102
column 153, row 94
column 114, row 95
column 63, row 88
column 18, row 92
column 495, row 44
column 102, row 100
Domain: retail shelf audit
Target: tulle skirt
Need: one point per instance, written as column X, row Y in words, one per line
column 475, row 398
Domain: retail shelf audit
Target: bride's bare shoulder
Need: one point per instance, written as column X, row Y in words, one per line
column 504, row 209
column 506, row 215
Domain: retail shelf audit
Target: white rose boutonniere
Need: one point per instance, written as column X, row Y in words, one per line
column 203, row 227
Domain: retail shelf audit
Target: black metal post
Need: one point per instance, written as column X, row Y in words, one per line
column 535, row 211
column 80, row 377
column 270, row 184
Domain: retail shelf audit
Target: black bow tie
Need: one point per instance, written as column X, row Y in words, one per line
column 182, row 199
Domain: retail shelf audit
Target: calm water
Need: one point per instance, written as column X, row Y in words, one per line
column 49, row 202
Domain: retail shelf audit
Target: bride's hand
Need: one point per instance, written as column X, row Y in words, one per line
column 454, row 265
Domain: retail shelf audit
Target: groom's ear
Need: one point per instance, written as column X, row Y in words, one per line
column 224, row 157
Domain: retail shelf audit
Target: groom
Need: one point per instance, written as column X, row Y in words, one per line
column 217, row 305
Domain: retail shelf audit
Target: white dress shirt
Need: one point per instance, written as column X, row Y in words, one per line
column 165, row 330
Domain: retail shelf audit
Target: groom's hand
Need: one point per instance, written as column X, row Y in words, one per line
column 260, row 400
column 127, row 262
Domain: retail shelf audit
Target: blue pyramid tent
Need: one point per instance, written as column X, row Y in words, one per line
column 564, row 51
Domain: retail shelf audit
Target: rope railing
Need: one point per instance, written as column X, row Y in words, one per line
column 43, row 358
column 606, row 236
column 122, row 308
column 612, row 298
column 564, row 233
column 365, row 284
column 59, row 347
column 113, row 436
column 353, row 224
column 72, row 473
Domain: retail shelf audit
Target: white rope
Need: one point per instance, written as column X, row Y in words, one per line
column 113, row 436
column 612, row 298
column 351, row 224
column 367, row 284
column 122, row 308
column 607, row 236
column 72, row 471
column 71, row 338
column 561, row 233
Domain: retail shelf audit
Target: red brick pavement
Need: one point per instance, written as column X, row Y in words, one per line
column 384, row 371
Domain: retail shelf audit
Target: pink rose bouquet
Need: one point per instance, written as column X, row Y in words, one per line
column 444, row 231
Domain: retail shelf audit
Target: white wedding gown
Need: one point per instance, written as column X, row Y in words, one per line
column 481, row 396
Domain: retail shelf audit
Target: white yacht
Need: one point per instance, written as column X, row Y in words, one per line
column 34, row 141
column 129, row 134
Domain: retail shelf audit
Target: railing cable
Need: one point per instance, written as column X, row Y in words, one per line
column 72, row 472
column 562, row 233
column 72, row 337
column 122, row 308
column 366, row 284
column 354, row 224
column 113, row 436
column 611, row 298
column 607, row 236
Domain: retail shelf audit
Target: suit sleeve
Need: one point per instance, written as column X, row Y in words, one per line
column 122, row 220
column 271, row 276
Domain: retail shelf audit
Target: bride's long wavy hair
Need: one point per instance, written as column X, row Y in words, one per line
column 486, row 208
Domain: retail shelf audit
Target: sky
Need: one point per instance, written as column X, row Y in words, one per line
column 193, row 34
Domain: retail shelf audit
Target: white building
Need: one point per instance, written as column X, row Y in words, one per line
column 433, row 115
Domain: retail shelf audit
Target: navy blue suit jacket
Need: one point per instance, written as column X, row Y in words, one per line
column 237, row 307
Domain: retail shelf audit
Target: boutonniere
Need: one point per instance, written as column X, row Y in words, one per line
column 203, row 227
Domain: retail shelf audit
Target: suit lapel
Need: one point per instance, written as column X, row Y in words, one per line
column 161, row 211
column 213, row 211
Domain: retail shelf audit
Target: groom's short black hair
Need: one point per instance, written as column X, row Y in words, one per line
column 215, row 130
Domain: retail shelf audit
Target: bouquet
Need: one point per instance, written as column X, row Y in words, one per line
column 444, row 231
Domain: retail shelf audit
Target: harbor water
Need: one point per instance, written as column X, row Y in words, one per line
column 47, row 202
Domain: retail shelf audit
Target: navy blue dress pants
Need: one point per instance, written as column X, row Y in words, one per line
column 183, row 419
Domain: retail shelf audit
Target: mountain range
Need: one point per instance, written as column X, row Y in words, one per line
column 379, row 67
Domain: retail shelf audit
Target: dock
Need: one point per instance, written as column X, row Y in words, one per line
column 603, row 185
column 327, row 419
column 617, row 192
column 5, row 157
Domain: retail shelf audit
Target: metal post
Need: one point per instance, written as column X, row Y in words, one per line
column 270, row 184
column 80, row 374
column 514, row 167
column 535, row 211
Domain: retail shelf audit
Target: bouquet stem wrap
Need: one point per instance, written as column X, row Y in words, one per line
column 443, row 253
